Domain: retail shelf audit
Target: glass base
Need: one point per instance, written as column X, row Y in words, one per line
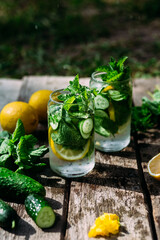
column 114, row 143
column 71, row 169
column 111, row 145
column 67, row 174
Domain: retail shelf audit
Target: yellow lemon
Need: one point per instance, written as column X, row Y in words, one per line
column 154, row 167
column 39, row 101
column 15, row 110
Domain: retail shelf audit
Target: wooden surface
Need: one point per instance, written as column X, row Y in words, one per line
column 118, row 184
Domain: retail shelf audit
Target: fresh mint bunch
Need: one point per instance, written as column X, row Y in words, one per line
column 77, row 95
column 18, row 152
column 116, row 70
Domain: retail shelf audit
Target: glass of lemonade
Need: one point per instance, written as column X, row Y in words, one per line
column 71, row 134
column 113, row 102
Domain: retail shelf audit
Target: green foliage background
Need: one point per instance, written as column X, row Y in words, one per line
column 68, row 37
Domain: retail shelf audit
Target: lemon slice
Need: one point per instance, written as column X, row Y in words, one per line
column 69, row 154
column 154, row 167
column 107, row 88
column 111, row 112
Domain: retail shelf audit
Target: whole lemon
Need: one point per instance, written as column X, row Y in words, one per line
column 39, row 101
column 15, row 110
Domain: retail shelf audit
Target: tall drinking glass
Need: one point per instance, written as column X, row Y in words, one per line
column 71, row 137
column 112, row 112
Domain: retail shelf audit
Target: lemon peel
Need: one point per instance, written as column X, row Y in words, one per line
column 105, row 225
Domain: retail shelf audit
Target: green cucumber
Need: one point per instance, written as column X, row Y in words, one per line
column 101, row 102
column 85, row 127
column 16, row 187
column 8, row 216
column 40, row 211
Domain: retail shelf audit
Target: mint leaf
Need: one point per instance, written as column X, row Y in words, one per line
column 4, row 134
column 39, row 152
column 24, row 147
column 120, row 63
column 3, row 159
column 68, row 103
column 19, row 131
column 74, row 85
column 6, row 146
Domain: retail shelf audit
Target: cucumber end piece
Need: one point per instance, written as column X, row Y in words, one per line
column 46, row 217
column 13, row 224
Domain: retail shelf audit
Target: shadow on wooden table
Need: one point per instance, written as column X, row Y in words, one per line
column 23, row 229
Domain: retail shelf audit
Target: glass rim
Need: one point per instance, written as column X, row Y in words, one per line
column 101, row 81
column 61, row 91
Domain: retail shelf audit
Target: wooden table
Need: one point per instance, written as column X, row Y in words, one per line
column 119, row 183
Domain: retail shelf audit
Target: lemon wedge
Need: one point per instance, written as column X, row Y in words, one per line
column 154, row 167
column 68, row 154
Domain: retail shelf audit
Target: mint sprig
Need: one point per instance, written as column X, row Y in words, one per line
column 78, row 95
column 18, row 152
column 116, row 70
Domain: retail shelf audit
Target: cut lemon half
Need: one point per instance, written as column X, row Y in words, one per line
column 69, row 154
column 154, row 167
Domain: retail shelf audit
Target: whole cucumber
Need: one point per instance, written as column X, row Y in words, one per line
column 16, row 187
column 8, row 216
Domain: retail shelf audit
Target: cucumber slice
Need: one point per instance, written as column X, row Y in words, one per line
column 101, row 102
column 40, row 211
column 86, row 127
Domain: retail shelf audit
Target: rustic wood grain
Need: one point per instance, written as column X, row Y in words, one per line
column 113, row 187
column 149, row 147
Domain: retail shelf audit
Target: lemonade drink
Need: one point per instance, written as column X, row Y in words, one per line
column 113, row 102
column 71, row 131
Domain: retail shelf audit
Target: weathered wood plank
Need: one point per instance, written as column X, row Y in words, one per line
column 113, row 186
column 149, row 147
